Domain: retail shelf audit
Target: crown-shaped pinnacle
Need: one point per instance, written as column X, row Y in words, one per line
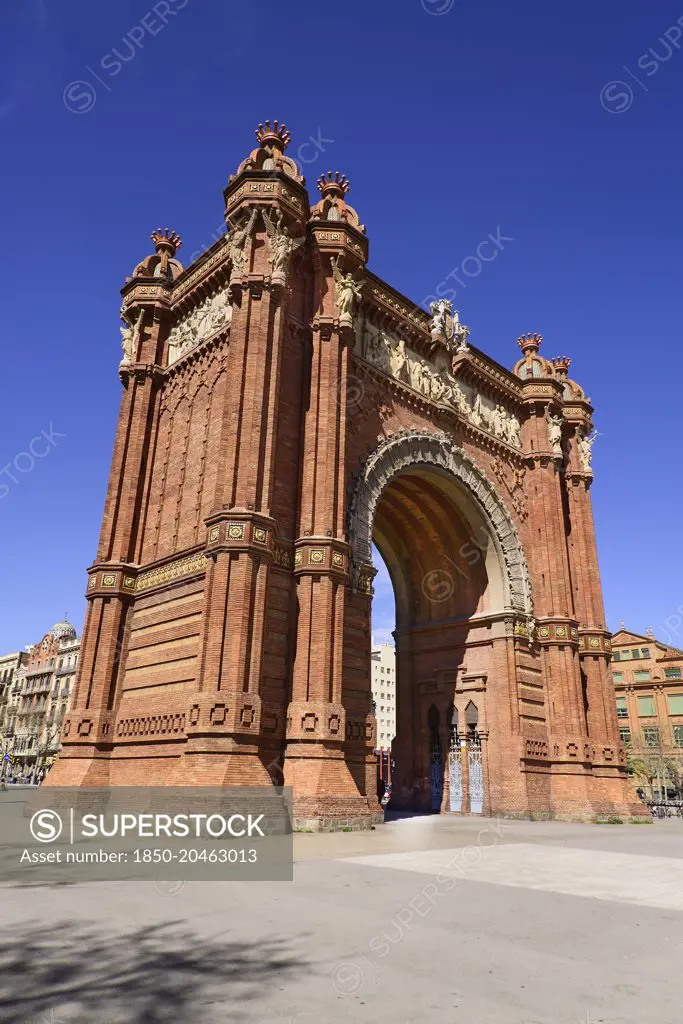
column 166, row 239
column 277, row 134
column 333, row 183
column 531, row 342
column 561, row 363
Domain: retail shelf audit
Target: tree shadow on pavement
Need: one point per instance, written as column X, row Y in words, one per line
column 163, row 973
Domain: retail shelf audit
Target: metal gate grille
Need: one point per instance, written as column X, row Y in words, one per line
column 476, row 775
column 455, row 775
column 437, row 776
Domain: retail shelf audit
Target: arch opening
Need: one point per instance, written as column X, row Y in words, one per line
column 458, row 576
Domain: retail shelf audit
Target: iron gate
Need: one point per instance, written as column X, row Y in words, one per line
column 437, row 775
column 455, row 774
column 475, row 774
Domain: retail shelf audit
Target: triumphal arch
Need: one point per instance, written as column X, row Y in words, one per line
column 282, row 409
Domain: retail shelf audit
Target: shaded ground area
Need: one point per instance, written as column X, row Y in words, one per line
column 54, row 972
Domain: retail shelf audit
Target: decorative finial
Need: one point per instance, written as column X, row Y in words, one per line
column 561, row 364
column 333, row 184
column 277, row 135
column 531, row 343
column 166, row 241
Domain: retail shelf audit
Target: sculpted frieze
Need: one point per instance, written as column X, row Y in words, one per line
column 210, row 317
column 434, row 381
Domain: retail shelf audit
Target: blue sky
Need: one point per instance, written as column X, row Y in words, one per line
column 453, row 120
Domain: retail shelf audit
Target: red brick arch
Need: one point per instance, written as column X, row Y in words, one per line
column 413, row 448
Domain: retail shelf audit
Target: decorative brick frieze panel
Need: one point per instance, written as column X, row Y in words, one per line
column 189, row 566
column 557, row 632
column 321, row 556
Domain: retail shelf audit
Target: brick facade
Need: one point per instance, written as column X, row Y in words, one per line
column 270, row 427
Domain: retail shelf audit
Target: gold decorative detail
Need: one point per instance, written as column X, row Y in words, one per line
column 543, row 631
column 317, row 556
column 129, row 582
column 167, row 573
column 260, row 535
column 214, row 533
column 575, row 633
column 560, row 631
column 108, row 579
column 235, row 531
column 92, row 582
column 594, row 641
column 337, row 558
column 297, row 558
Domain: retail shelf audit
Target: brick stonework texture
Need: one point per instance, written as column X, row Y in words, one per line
column 270, row 427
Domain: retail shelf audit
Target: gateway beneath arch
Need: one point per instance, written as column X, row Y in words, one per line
column 282, row 408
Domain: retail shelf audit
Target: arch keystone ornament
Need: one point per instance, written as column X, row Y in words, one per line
column 283, row 410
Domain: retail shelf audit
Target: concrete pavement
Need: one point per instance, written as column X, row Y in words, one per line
column 423, row 919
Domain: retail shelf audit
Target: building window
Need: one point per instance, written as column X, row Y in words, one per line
column 626, row 655
column 645, row 652
column 646, row 707
column 678, row 735
column 635, row 653
column 622, row 710
column 651, row 736
column 675, row 703
column 616, row 656
column 672, row 673
column 625, row 735
column 642, row 676
column 618, row 677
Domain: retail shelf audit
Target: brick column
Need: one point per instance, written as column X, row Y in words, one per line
column 557, row 627
column 225, row 721
column 595, row 643
column 87, row 733
column 318, row 728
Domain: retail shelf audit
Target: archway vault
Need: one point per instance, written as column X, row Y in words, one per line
column 404, row 458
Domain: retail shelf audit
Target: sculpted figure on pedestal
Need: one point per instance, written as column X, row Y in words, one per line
column 441, row 327
column 347, row 292
column 555, row 434
column 460, row 333
column 586, row 443
column 130, row 336
column 282, row 245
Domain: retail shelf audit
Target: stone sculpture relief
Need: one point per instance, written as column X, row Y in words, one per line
column 348, row 293
column 436, row 383
column 130, row 336
column 237, row 244
column 585, row 443
column 282, row 245
column 445, row 326
column 555, row 434
column 213, row 315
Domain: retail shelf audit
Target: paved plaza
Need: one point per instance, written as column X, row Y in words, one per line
column 422, row 919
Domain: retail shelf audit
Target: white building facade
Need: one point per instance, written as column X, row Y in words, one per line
column 384, row 692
